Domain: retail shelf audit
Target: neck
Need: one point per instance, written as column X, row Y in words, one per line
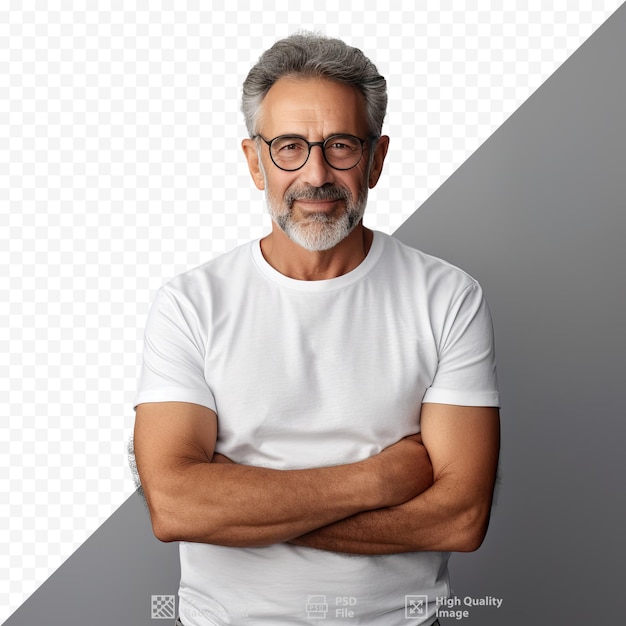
column 296, row 262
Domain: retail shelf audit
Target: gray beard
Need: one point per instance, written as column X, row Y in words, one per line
column 318, row 232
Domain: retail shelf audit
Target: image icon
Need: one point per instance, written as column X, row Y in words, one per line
column 415, row 606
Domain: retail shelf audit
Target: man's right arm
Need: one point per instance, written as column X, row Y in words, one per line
column 192, row 499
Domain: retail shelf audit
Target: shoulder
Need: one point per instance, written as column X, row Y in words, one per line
column 411, row 265
column 208, row 279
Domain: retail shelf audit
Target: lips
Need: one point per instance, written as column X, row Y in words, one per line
column 321, row 208
column 319, row 203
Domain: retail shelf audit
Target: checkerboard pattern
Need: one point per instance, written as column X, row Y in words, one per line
column 163, row 607
column 120, row 167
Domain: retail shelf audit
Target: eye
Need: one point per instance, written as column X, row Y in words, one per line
column 284, row 145
column 290, row 147
column 343, row 142
column 342, row 147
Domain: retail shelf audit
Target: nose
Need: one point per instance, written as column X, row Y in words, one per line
column 316, row 171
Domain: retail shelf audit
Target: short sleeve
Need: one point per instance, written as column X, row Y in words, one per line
column 466, row 371
column 174, row 354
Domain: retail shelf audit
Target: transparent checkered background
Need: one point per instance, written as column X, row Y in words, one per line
column 120, row 167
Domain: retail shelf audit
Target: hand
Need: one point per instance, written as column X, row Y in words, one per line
column 417, row 438
column 404, row 470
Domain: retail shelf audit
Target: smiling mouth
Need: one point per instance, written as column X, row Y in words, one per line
column 317, row 202
column 317, row 206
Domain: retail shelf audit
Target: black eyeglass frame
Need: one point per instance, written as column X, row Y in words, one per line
column 321, row 144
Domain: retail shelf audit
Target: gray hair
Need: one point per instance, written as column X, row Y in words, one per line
column 309, row 55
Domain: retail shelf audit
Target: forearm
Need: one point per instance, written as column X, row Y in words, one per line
column 433, row 521
column 237, row 505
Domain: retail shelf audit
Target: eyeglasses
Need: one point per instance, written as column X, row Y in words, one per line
column 291, row 152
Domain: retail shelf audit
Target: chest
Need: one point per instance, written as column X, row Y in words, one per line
column 317, row 379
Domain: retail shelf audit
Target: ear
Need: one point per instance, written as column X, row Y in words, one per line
column 250, row 149
column 380, row 152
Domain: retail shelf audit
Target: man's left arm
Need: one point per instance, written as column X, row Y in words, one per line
column 452, row 515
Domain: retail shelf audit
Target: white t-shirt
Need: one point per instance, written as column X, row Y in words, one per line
column 307, row 374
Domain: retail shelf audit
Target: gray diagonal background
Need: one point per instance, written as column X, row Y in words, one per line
column 537, row 214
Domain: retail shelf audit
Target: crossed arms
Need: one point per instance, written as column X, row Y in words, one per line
column 412, row 496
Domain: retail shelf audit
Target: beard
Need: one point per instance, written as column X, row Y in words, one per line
column 318, row 231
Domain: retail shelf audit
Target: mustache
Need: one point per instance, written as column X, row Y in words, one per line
column 329, row 192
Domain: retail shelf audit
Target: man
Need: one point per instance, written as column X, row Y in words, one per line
column 285, row 383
